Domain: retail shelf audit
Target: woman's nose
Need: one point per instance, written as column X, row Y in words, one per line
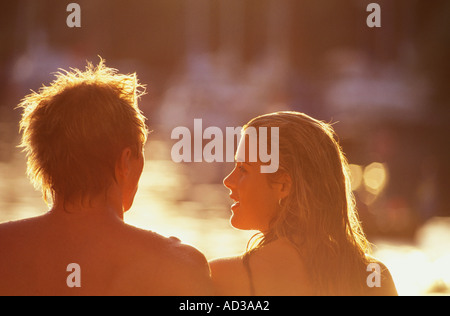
column 228, row 181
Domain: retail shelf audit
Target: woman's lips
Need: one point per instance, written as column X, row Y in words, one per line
column 236, row 201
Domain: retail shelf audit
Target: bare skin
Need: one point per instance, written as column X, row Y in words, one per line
column 277, row 270
column 114, row 258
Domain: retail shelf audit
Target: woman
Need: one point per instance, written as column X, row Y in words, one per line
column 310, row 240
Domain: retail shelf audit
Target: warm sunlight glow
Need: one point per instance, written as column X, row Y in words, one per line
column 410, row 267
column 375, row 177
column 166, row 204
column 356, row 173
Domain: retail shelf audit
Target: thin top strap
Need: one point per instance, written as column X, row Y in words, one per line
column 245, row 261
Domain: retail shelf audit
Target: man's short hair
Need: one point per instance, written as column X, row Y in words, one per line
column 74, row 130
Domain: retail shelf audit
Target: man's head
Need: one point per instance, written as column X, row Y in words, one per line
column 76, row 130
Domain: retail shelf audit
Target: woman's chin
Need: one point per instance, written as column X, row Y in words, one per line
column 234, row 221
column 238, row 223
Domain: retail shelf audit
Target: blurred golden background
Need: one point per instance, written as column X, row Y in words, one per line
column 226, row 61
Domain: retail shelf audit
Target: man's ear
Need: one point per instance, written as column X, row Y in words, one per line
column 123, row 163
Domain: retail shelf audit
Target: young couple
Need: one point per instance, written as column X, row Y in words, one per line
column 84, row 137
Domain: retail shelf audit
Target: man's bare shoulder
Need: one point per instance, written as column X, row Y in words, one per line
column 7, row 227
column 140, row 262
column 18, row 228
column 166, row 247
column 169, row 266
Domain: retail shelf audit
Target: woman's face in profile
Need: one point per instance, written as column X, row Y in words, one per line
column 255, row 201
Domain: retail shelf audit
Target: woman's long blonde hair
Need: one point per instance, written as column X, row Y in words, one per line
column 318, row 216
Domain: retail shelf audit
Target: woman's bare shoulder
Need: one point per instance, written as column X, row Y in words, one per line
column 379, row 279
column 225, row 262
column 229, row 276
column 223, row 268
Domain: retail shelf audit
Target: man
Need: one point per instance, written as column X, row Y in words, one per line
column 84, row 136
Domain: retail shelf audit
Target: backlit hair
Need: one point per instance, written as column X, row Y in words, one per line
column 74, row 130
column 319, row 215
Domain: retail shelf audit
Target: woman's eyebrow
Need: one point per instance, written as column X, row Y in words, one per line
column 239, row 162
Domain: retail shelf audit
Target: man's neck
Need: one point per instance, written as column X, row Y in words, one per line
column 88, row 208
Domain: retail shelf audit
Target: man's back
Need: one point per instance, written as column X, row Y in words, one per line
column 111, row 258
